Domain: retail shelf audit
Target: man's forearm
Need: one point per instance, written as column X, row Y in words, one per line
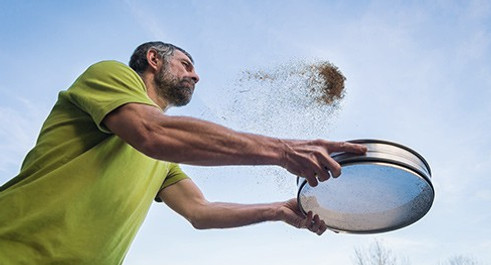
column 185, row 198
column 228, row 215
column 192, row 141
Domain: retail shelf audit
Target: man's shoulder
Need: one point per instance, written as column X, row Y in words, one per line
column 109, row 65
column 111, row 71
column 107, row 74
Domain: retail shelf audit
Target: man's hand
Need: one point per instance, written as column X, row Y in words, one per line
column 312, row 160
column 290, row 213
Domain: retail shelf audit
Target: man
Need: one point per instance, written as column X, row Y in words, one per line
column 107, row 150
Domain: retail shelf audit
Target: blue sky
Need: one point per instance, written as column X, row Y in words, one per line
column 418, row 73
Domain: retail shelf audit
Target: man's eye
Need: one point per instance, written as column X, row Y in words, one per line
column 187, row 65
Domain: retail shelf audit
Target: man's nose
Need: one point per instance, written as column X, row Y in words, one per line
column 194, row 76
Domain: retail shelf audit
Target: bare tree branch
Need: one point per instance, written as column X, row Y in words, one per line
column 377, row 254
column 460, row 260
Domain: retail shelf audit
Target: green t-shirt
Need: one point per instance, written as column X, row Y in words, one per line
column 82, row 192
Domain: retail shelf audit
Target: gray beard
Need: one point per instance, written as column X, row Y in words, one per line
column 174, row 91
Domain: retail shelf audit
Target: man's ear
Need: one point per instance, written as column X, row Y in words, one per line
column 153, row 59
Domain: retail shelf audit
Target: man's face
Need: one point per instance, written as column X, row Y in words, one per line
column 176, row 79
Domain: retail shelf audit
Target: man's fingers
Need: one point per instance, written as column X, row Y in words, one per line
column 312, row 180
column 315, row 224
column 308, row 220
column 323, row 168
column 322, row 172
column 322, row 228
column 330, row 165
column 347, row 147
column 325, row 174
column 312, row 160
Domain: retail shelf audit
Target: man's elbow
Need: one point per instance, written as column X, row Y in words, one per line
column 200, row 225
column 142, row 138
column 200, row 219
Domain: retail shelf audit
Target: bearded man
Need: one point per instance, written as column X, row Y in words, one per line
column 107, row 150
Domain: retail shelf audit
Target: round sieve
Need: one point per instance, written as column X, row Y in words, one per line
column 385, row 189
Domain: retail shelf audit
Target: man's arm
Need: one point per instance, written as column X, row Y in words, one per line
column 185, row 198
column 192, row 141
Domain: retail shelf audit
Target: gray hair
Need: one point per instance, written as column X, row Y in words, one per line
column 138, row 60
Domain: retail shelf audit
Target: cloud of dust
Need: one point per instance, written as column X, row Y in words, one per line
column 294, row 100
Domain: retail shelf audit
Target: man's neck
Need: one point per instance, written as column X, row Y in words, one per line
column 149, row 82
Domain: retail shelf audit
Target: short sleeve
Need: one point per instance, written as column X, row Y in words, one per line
column 174, row 175
column 105, row 86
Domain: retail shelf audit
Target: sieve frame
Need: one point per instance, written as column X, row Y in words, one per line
column 385, row 153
